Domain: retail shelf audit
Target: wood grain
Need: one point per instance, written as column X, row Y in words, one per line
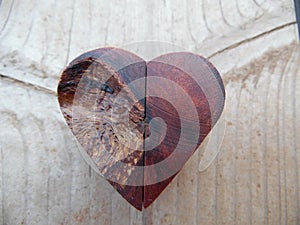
column 253, row 180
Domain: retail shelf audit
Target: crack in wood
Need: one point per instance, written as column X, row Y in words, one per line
column 237, row 44
column 27, row 84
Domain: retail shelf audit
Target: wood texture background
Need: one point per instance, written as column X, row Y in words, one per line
column 255, row 177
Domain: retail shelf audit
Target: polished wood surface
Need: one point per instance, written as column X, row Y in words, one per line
column 254, row 45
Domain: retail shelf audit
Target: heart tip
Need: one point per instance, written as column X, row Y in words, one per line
column 139, row 208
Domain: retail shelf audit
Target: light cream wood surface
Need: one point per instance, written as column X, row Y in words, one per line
column 253, row 180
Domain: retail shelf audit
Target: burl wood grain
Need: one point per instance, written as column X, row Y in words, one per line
column 86, row 93
column 44, row 179
column 89, row 94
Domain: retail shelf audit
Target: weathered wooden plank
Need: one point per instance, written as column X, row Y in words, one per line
column 29, row 44
column 100, row 204
column 187, row 201
column 254, row 179
column 207, row 195
column 13, row 167
column 219, row 188
column 226, row 171
column 272, row 164
column 291, row 166
column 164, row 209
column 36, row 163
column 296, row 128
column 1, row 188
column 258, row 87
column 59, row 174
column 243, row 158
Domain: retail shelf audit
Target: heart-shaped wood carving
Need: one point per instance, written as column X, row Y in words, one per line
column 140, row 121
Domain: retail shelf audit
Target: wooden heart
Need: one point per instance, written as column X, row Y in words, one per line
column 139, row 122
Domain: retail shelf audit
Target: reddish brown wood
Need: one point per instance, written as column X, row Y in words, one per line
column 92, row 82
column 190, row 72
column 88, row 92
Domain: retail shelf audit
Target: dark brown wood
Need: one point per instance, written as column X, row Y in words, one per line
column 102, row 97
column 87, row 93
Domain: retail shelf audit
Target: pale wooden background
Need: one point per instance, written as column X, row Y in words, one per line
column 254, row 179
